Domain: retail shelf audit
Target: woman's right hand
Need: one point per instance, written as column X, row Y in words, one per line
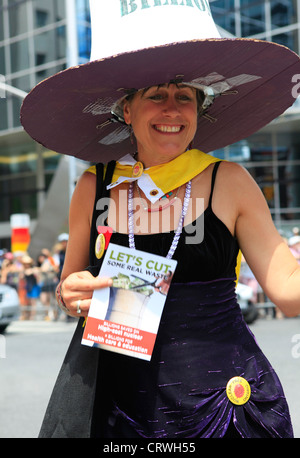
column 77, row 291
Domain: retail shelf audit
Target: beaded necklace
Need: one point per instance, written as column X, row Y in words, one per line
column 179, row 227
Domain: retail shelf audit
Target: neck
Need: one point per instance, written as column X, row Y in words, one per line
column 153, row 161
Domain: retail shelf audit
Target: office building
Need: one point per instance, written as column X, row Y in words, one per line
column 34, row 44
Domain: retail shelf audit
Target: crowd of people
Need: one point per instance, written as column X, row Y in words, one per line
column 35, row 280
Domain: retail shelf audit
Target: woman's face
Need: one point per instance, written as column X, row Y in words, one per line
column 164, row 121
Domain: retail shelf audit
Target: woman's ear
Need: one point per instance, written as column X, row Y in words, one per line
column 126, row 113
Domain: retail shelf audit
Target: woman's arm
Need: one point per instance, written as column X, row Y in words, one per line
column 79, row 284
column 266, row 253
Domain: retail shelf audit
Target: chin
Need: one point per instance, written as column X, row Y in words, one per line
column 173, row 152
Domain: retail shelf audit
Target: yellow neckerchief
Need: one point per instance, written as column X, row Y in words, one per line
column 160, row 179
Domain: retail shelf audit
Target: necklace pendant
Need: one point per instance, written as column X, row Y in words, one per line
column 137, row 170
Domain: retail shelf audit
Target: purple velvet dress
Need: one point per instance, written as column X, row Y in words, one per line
column 201, row 344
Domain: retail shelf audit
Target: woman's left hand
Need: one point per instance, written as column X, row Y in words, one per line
column 77, row 291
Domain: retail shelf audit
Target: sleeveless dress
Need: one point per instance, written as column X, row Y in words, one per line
column 202, row 343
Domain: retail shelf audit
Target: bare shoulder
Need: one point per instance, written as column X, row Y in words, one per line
column 87, row 181
column 235, row 193
column 85, row 185
column 233, row 171
column 84, row 195
column 240, row 186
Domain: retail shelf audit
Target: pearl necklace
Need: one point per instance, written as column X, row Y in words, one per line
column 179, row 227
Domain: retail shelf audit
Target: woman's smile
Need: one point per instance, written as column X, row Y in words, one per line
column 168, row 129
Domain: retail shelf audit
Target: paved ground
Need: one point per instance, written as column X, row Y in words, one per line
column 34, row 353
column 280, row 341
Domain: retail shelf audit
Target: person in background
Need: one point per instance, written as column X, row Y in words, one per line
column 2, row 253
column 61, row 254
column 294, row 244
column 10, row 271
column 48, row 279
column 30, row 275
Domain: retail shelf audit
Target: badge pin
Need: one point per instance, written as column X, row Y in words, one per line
column 100, row 246
column 137, row 170
column 102, row 241
column 238, row 390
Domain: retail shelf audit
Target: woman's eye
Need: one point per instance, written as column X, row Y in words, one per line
column 184, row 98
column 159, row 96
column 156, row 97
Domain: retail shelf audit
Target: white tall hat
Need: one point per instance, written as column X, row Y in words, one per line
column 140, row 43
column 133, row 25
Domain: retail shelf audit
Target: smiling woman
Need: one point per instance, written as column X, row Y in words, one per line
column 202, row 91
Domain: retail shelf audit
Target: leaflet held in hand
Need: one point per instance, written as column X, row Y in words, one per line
column 125, row 317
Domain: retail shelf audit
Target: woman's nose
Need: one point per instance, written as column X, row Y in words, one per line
column 171, row 107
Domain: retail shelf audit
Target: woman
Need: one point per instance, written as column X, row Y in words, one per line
column 207, row 376
column 164, row 122
column 9, row 272
column 48, row 280
column 30, row 275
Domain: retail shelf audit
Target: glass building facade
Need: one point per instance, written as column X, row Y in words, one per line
column 33, row 44
column 273, row 20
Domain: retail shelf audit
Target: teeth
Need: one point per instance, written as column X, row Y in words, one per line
column 168, row 128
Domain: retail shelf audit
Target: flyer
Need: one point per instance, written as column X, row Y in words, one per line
column 125, row 317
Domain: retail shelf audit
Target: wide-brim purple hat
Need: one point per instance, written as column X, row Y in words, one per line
column 247, row 83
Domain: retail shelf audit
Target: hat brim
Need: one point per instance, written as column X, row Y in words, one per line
column 55, row 112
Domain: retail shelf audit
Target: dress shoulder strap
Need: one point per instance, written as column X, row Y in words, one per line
column 103, row 178
column 213, row 179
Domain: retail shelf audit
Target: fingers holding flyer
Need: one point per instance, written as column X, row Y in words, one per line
column 76, row 291
column 162, row 285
